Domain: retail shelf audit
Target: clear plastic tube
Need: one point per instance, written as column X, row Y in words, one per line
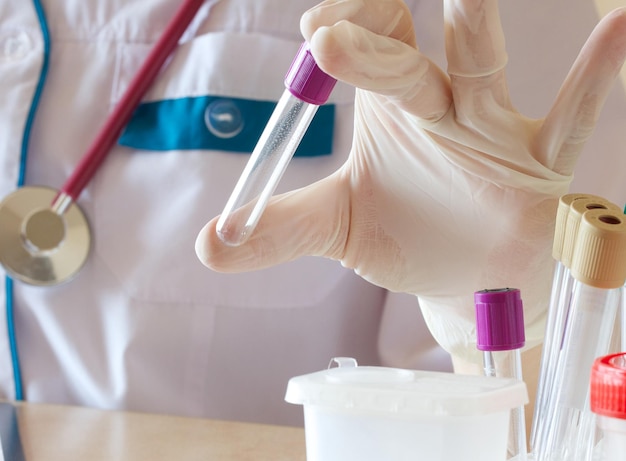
column 555, row 311
column 569, row 422
column 307, row 87
column 266, row 166
column 623, row 318
column 553, row 344
column 613, row 446
column 508, row 364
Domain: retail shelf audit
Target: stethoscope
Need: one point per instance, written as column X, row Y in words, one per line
column 44, row 236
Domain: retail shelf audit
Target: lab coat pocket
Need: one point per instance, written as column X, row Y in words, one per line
column 150, row 203
column 210, row 115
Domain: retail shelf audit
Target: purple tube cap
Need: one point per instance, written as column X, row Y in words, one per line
column 306, row 81
column 499, row 319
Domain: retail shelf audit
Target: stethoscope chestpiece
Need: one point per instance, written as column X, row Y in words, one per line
column 44, row 236
column 38, row 244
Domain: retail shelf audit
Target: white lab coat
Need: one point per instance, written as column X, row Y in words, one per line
column 144, row 326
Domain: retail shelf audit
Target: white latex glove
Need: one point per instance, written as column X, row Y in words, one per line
column 447, row 189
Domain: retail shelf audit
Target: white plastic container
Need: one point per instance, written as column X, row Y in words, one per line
column 389, row 414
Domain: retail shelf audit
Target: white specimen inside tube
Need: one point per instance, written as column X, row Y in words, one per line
column 266, row 166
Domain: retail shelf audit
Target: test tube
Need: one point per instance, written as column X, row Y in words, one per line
column 561, row 274
column 306, row 88
column 500, row 335
column 623, row 325
column 608, row 403
column 569, row 213
column 599, row 270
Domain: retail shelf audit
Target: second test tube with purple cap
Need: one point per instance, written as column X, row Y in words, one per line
column 500, row 335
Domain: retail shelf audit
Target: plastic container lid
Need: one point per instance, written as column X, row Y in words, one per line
column 499, row 320
column 608, row 386
column 392, row 390
column 306, row 81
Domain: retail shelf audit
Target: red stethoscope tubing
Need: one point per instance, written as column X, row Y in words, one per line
column 117, row 120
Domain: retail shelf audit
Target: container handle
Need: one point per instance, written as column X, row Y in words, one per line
column 342, row 362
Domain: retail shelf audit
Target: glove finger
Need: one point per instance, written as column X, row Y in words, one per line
column 384, row 17
column 573, row 116
column 475, row 45
column 383, row 65
column 312, row 221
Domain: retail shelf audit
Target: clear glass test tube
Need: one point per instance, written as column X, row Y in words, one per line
column 307, row 87
column 599, row 269
column 500, row 336
column 569, row 213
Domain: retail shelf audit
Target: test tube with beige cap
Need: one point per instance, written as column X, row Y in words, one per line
column 598, row 269
column 569, row 213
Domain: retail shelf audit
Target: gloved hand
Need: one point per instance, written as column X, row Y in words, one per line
column 447, row 189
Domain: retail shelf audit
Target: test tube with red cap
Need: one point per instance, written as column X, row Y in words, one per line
column 500, row 335
column 608, row 403
column 306, row 88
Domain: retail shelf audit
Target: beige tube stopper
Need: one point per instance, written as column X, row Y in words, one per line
column 599, row 257
column 572, row 223
column 561, row 218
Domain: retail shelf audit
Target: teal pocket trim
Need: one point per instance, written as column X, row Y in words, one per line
column 179, row 124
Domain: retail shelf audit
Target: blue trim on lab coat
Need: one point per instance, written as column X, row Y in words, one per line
column 179, row 124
